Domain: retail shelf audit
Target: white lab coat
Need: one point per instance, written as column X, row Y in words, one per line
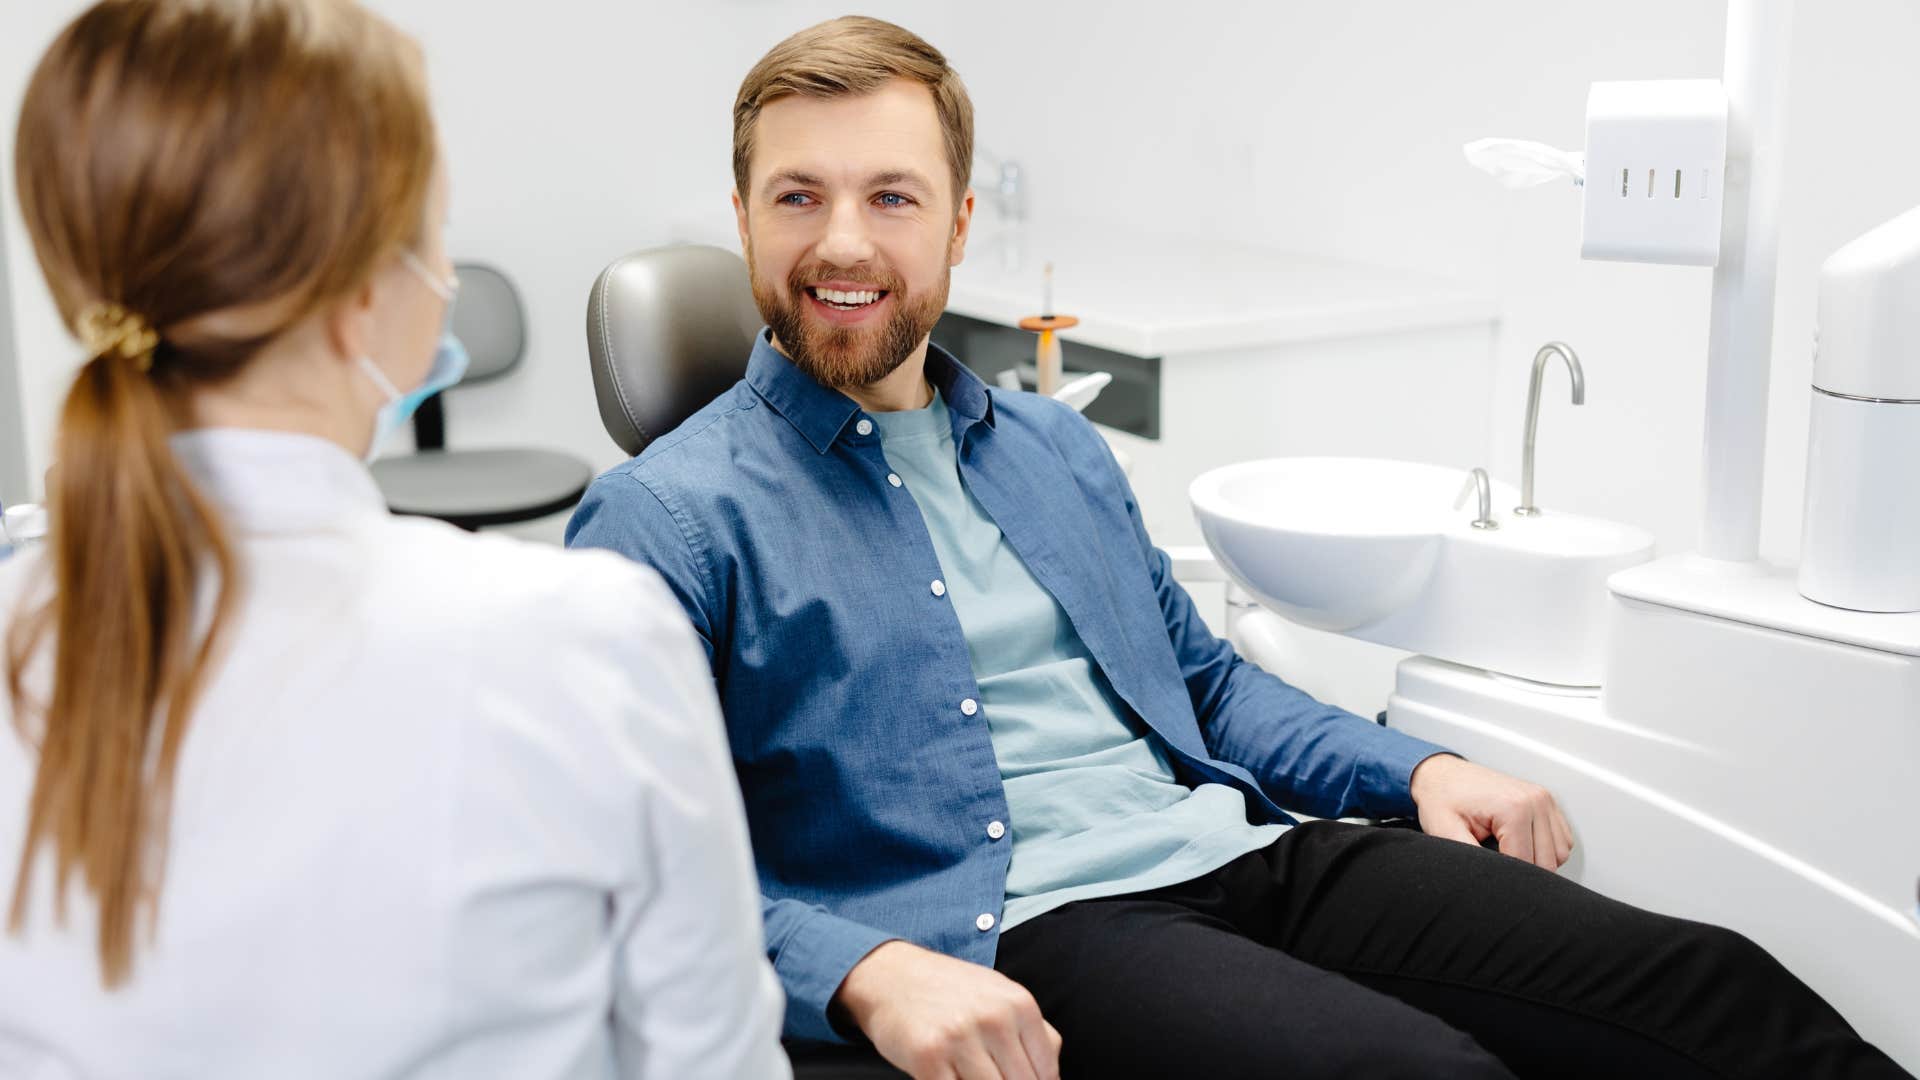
column 452, row 806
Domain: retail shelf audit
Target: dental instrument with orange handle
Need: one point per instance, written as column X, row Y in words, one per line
column 1046, row 354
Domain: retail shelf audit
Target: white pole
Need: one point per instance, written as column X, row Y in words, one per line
column 1740, row 341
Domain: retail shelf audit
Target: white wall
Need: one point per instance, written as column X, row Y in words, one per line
column 13, row 440
column 43, row 353
column 578, row 130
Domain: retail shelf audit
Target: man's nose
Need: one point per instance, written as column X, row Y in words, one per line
column 847, row 241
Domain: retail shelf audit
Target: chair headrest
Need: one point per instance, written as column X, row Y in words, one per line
column 668, row 330
column 489, row 320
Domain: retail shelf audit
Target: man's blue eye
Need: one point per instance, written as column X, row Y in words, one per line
column 893, row 198
column 791, row 198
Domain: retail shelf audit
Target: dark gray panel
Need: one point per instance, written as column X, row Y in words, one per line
column 1131, row 403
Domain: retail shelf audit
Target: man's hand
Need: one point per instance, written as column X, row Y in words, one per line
column 1459, row 800
column 944, row 1019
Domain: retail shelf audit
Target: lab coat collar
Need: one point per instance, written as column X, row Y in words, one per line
column 277, row 481
column 820, row 413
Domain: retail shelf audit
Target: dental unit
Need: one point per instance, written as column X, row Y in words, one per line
column 1733, row 741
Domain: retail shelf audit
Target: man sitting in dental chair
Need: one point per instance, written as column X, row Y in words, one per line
column 1015, row 810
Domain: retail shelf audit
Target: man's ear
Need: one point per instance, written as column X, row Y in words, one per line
column 962, row 228
column 740, row 219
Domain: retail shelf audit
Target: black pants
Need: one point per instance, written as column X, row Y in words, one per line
column 1355, row 951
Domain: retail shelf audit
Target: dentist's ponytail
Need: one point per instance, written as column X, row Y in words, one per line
column 133, row 547
column 197, row 176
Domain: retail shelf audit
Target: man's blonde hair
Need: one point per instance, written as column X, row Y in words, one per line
column 854, row 54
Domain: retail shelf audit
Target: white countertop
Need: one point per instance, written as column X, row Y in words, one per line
column 1760, row 594
column 1160, row 296
column 1149, row 295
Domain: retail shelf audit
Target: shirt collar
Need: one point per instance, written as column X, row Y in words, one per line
column 277, row 481
column 819, row 413
column 967, row 396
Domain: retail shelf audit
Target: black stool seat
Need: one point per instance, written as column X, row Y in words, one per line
column 478, row 488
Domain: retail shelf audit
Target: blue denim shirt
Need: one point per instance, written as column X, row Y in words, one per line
column 850, row 701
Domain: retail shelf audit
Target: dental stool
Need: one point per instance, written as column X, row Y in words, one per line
column 477, row 488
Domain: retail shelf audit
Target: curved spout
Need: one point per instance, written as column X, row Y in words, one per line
column 1478, row 484
column 1547, row 351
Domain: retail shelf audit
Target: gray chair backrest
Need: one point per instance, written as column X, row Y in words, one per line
column 668, row 330
column 489, row 320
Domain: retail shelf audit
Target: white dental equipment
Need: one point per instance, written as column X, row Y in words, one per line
column 1860, row 546
column 1751, row 755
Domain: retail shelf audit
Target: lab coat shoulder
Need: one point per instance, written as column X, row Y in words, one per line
column 529, row 610
column 606, row 723
column 581, row 665
column 500, row 587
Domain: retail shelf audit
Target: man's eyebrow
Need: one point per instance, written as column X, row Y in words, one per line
column 886, row 178
column 794, row 177
column 900, row 178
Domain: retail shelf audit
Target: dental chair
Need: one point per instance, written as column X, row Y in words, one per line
column 668, row 330
column 474, row 489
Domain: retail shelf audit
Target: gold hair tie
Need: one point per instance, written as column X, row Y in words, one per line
column 108, row 329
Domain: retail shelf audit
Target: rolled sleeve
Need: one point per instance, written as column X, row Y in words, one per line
column 813, row 950
column 1387, row 775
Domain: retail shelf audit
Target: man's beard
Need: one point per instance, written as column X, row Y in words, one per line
column 844, row 356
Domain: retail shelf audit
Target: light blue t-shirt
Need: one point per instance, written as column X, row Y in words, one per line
column 1096, row 809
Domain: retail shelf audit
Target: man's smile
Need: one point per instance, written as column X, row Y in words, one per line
column 846, row 303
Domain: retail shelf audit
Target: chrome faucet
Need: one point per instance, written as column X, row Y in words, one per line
column 1477, row 483
column 1526, row 507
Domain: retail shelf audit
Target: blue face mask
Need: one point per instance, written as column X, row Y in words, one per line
column 449, row 366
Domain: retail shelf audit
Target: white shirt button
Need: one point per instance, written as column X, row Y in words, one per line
column 939, row 587
column 969, row 706
column 995, row 830
column 864, row 427
column 894, row 479
column 984, row 922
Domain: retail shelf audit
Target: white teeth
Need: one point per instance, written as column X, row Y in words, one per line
column 852, row 299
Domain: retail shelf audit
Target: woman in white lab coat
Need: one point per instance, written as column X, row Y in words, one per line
column 288, row 786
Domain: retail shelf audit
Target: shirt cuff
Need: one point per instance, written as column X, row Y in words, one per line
column 1389, row 780
column 813, row 962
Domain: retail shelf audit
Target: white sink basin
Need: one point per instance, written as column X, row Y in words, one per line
column 1375, row 549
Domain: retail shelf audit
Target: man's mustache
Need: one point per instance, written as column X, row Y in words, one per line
column 800, row 281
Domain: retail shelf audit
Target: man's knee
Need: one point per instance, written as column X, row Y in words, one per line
column 1726, row 956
